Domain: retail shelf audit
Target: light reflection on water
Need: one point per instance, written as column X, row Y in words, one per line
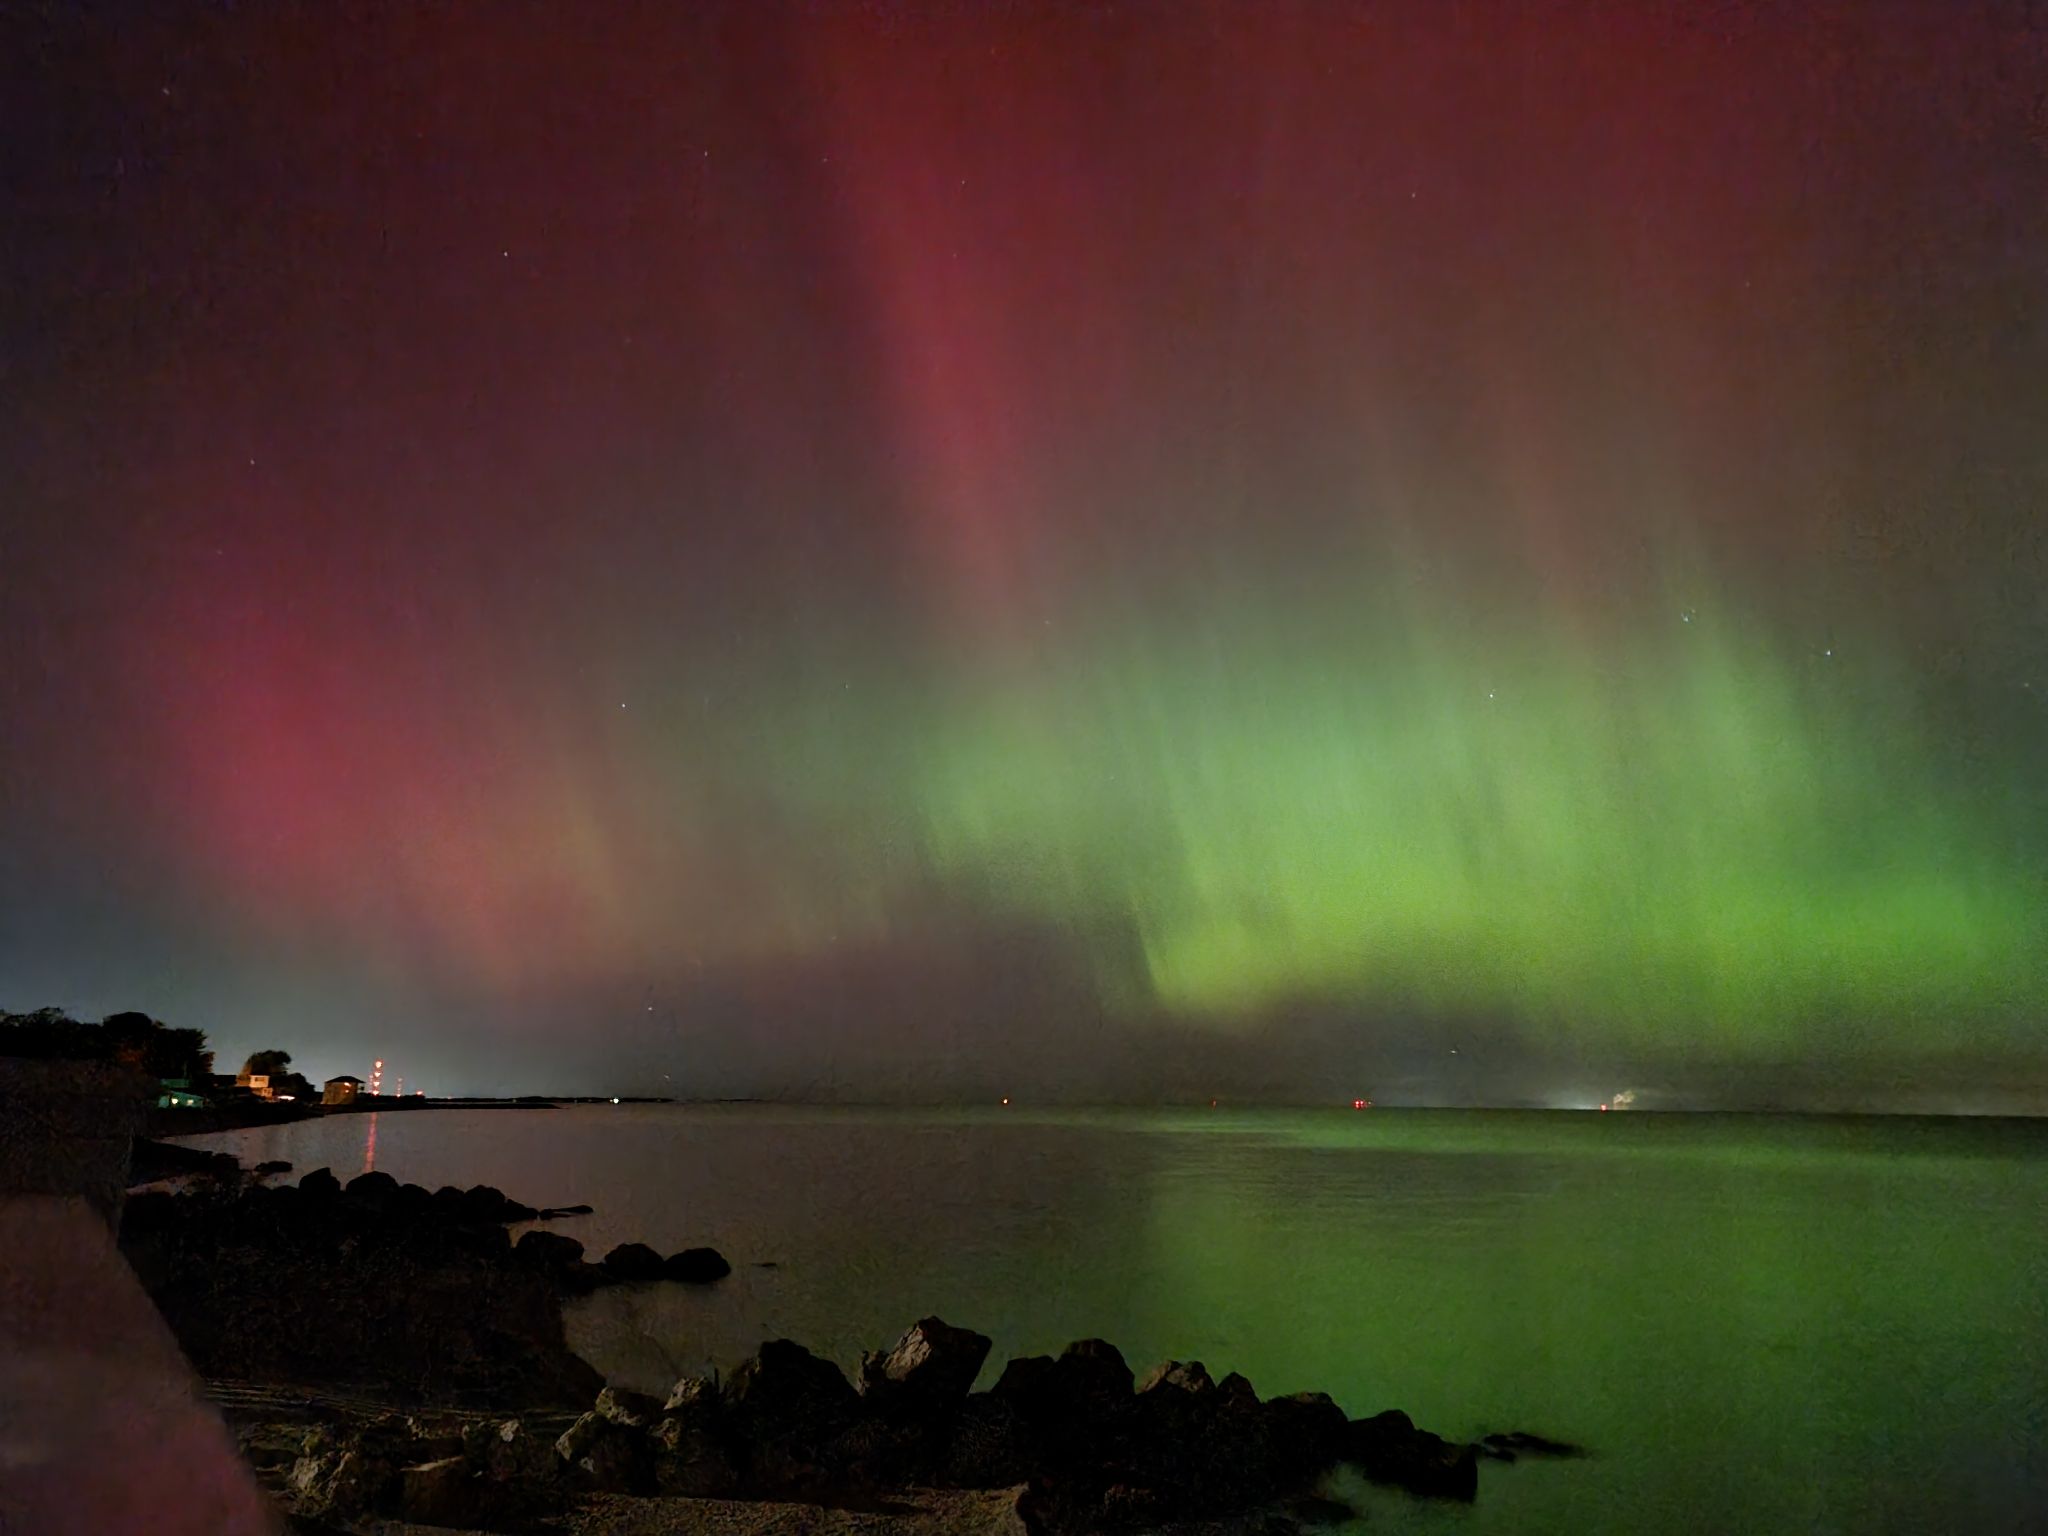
column 1759, row 1324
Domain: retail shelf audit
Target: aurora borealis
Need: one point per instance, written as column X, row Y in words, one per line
column 760, row 547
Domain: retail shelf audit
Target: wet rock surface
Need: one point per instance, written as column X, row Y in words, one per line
column 403, row 1295
column 1080, row 1443
column 419, row 1294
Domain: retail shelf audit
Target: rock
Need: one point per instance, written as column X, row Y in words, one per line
column 1219, row 1449
column 320, row 1184
column 581, row 1279
column 1086, row 1384
column 1175, row 1410
column 481, row 1202
column 507, row 1452
column 1388, row 1428
column 428, row 1440
column 929, row 1369
column 1308, row 1433
column 878, row 1452
column 439, row 1493
column 633, row 1410
column 693, row 1395
column 564, row 1210
column 1388, row 1448
column 633, row 1261
column 696, row 1266
column 604, row 1455
column 990, row 1446
column 1023, row 1380
column 1079, row 1408
column 339, row 1485
column 267, row 1170
column 690, row 1460
column 547, row 1250
column 1132, row 1506
column 1094, row 1369
column 375, row 1192
column 1507, row 1446
column 1189, row 1376
column 786, row 1405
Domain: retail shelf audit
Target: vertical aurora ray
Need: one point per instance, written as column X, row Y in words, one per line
column 1676, row 825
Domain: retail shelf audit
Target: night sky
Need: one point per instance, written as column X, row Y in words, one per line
column 1099, row 550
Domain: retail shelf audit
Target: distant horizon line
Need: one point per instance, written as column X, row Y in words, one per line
column 1220, row 1106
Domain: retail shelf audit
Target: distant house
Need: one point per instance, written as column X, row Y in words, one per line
column 257, row 1083
column 178, row 1093
column 340, row 1090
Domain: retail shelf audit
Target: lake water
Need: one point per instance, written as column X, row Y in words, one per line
column 1757, row 1324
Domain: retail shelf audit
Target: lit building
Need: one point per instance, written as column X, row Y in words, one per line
column 257, row 1083
column 340, row 1090
column 176, row 1093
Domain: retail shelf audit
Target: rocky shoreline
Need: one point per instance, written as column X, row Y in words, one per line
column 448, row 1396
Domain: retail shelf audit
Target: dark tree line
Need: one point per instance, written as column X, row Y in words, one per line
column 157, row 1048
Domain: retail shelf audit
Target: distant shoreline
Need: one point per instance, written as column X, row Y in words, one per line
column 173, row 1124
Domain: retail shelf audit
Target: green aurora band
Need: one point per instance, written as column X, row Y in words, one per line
column 1684, row 826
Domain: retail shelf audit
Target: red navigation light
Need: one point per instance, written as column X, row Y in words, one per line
column 1358, row 1103
column 1603, row 1107
column 1212, row 1103
column 1006, row 1100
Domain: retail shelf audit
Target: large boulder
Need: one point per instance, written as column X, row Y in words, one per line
column 1388, row 1448
column 441, row 1492
column 601, row 1454
column 547, row 1250
column 1087, row 1384
column 507, row 1452
column 696, row 1266
column 931, row 1368
column 376, row 1190
column 320, row 1184
column 1093, row 1370
column 881, row 1451
column 785, row 1406
column 695, row 1395
column 1189, row 1378
column 633, row 1261
column 1023, row 1382
column 1307, row 1432
column 481, row 1202
column 1080, row 1408
column 1175, row 1405
column 990, row 1447
column 632, row 1410
column 691, row 1458
column 339, row 1484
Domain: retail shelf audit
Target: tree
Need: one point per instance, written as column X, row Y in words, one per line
column 154, row 1046
column 51, row 1034
column 134, row 1038
column 267, row 1064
